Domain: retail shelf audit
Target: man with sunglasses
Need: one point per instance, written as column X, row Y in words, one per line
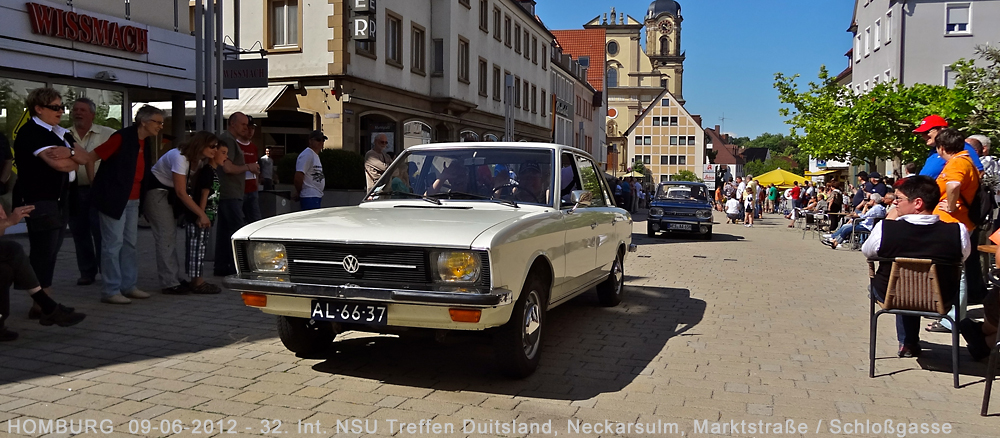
column 376, row 159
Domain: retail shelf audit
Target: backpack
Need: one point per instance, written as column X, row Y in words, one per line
column 982, row 205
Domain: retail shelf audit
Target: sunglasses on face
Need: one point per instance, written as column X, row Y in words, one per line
column 55, row 107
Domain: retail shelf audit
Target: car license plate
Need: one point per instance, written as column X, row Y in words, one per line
column 679, row 227
column 356, row 313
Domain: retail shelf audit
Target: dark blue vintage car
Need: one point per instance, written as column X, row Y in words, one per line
column 680, row 206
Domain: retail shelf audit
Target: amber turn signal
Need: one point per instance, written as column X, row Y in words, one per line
column 256, row 300
column 465, row 315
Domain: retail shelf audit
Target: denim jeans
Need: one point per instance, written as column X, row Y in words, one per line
column 251, row 207
column 310, row 203
column 230, row 221
column 119, row 258
column 845, row 231
column 86, row 229
column 958, row 310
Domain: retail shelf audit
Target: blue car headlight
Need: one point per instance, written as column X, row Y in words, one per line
column 704, row 214
column 655, row 211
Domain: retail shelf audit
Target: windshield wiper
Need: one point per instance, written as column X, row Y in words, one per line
column 464, row 195
column 407, row 194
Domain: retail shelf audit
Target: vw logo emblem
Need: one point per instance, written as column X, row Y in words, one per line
column 351, row 264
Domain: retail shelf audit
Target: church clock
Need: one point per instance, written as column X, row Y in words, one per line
column 666, row 26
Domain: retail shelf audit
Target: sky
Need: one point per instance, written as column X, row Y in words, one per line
column 734, row 48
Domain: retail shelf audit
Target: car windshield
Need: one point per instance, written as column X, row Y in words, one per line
column 682, row 192
column 489, row 174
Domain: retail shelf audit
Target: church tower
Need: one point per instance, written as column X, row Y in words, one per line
column 663, row 44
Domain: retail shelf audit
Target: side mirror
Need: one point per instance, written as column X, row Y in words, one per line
column 580, row 198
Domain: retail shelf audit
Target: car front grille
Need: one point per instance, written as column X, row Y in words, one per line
column 323, row 263
column 679, row 212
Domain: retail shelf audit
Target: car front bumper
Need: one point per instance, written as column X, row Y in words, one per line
column 658, row 224
column 405, row 307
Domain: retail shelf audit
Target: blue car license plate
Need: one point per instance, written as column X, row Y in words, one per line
column 686, row 227
column 352, row 313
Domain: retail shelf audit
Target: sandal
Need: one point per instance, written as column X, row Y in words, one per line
column 937, row 327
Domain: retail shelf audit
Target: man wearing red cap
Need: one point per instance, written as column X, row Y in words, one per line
column 929, row 128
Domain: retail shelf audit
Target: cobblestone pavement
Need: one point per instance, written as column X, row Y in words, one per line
column 757, row 325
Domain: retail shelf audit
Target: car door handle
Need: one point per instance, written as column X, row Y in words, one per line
column 593, row 225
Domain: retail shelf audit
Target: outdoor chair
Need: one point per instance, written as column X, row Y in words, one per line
column 816, row 221
column 915, row 290
column 990, row 374
column 858, row 237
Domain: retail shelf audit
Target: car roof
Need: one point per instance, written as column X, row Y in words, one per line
column 683, row 183
column 499, row 145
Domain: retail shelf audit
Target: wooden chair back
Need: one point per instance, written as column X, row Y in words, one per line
column 914, row 285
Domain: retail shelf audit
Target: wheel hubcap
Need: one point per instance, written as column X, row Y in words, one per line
column 531, row 329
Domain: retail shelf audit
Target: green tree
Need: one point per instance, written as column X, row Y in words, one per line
column 757, row 167
column 774, row 142
column 685, row 175
column 830, row 121
column 983, row 86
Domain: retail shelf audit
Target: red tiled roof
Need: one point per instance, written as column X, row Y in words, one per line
column 585, row 42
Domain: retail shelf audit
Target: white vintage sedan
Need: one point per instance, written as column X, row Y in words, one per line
column 465, row 236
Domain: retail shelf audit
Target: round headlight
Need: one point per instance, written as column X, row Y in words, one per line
column 704, row 214
column 656, row 211
column 270, row 257
column 457, row 266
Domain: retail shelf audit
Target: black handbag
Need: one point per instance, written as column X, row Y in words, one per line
column 47, row 215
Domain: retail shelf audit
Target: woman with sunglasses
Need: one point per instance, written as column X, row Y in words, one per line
column 46, row 165
column 122, row 180
column 169, row 198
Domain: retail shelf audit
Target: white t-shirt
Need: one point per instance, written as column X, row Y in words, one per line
column 170, row 163
column 732, row 206
column 314, row 182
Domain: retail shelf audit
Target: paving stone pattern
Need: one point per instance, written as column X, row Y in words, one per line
column 757, row 325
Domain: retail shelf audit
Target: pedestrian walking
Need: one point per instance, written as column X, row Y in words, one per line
column 123, row 180
column 205, row 192
column 267, row 170
column 47, row 162
column 232, row 186
column 310, row 181
column 251, row 199
column 84, row 223
column 169, row 199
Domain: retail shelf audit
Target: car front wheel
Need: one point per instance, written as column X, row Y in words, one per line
column 610, row 291
column 304, row 336
column 518, row 343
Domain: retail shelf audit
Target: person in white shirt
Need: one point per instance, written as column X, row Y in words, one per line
column 309, row 179
column 732, row 210
column 83, row 219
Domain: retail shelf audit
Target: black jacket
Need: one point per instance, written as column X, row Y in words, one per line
column 36, row 180
column 116, row 175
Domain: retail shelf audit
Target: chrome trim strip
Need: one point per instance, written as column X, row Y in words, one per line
column 370, row 265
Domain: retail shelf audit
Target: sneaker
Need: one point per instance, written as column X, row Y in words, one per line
column 909, row 350
column 136, row 294
column 115, row 299
column 206, row 288
column 63, row 317
column 827, row 242
column 828, row 236
column 7, row 335
column 180, row 289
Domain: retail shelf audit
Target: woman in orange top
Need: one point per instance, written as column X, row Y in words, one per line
column 958, row 181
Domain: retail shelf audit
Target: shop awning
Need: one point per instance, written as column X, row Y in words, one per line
column 820, row 173
column 253, row 102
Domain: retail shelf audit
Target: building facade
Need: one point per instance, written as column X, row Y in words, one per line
column 114, row 52
column 646, row 120
column 916, row 41
column 579, row 91
column 436, row 71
